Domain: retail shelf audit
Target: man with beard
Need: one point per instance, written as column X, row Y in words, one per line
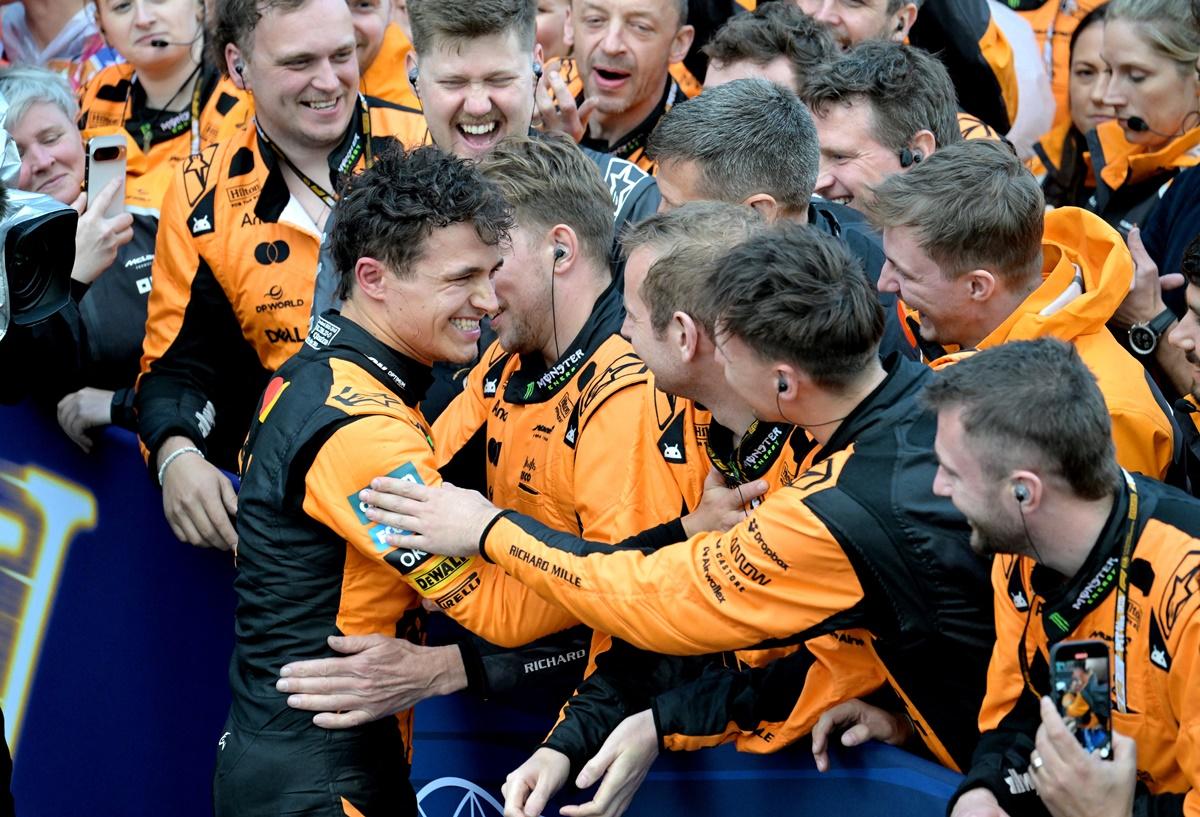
column 1084, row 550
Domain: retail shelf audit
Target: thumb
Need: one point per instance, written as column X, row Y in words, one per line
column 228, row 496
column 753, row 490
column 1172, row 280
column 714, row 479
column 595, row 768
column 351, row 644
column 855, row 735
column 586, row 109
column 1141, row 258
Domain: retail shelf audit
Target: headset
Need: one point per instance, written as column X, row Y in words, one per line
column 1020, row 493
column 908, row 158
column 1139, row 125
column 560, row 252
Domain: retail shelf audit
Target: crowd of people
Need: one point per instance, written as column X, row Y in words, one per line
column 804, row 368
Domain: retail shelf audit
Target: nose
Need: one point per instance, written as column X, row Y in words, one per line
column 625, row 328
column 478, row 100
column 941, row 486
column 483, row 297
column 824, row 182
column 1184, row 334
column 142, row 16
column 1113, row 93
column 826, row 12
column 325, row 78
column 612, row 42
column 38, row 159
column 889, row 281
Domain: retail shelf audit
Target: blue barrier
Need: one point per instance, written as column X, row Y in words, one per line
column 114, row 648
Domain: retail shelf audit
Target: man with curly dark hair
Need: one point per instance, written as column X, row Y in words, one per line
column 417, row 242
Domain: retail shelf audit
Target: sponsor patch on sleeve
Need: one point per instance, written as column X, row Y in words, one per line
column 379, row 533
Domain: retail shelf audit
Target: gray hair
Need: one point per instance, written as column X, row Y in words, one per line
column 1168, row 24
column 25, row 86
column 748, row 136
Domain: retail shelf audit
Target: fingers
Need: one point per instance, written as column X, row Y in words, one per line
column 354, row 644
column 1172, row 280
column 516, row 792
column 753, row 490
column 228, row 498
column 595, row 768
column 856, row 735
column 106, row 195
column 540, row 795
column 80, row 203
column 385, row 486
column 221, row 533
column 342, row 720
column 313, row 702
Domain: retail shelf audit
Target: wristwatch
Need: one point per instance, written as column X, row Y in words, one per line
column 1144, row 336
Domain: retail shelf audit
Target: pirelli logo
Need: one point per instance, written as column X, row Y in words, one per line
column 439, row 574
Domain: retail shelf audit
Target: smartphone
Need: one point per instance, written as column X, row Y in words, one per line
column 1079, row 683
column 105, row 162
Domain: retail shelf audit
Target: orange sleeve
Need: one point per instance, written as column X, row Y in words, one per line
column 620, row 493
column 1143, row 440
column 844, row 667
column 477, row 594
column 777, row 574
column 999, row 55
column 465, row 415
column 1005, row 682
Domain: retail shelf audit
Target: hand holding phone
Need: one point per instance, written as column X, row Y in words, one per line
column 106, row 163
column 1079, row 687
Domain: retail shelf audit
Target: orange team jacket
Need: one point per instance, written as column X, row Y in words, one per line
column 113, row 102
column 310, row 564
column 233, row 277
column 571, row 444
column 1036, row 609
column 800, row 566
column 1086, row 274
column 387, row 76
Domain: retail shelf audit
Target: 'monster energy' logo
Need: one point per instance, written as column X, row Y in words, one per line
column 40, row 514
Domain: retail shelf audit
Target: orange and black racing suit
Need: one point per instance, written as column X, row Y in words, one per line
column 233, row 276
column 1037, row 608
column 857, row 541
column 113, row 307
column 311, row 565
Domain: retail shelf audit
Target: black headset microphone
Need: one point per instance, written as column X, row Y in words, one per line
column 1139, row 125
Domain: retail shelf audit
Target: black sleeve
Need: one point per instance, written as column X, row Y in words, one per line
column 550, row 662
column 206, row 381
column 625, row 682
column 668, row 533
column 44, row 360
column 1146, row 804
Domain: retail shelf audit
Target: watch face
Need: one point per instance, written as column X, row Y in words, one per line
column 1142, row 339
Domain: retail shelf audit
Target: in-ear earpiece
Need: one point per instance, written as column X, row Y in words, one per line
column 781, row 385
column 240, row 68
column 908, row 158
column 412, row 76
column 560, row 253
column 537, row 70
column 1020, row 493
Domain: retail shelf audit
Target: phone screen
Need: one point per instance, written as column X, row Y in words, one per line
column 1080, row 683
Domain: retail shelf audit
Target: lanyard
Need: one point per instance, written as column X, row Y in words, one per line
column 1120, row 618
column 147, row 128
column 329, row 199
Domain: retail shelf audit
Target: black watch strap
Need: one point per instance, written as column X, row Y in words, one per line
column 1156, row 326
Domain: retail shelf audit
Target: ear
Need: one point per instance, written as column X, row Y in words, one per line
column 981, row 285
column 787, row 381
column 924, row 142
column 539, row 54
column 686, row 335
column 410, row 65
column 902, row 21
column 569, row 31
column 561, row 235
column 681, row 43
column 369, row 275
column 764, row 204
column 233, row 56
column 1034, row 489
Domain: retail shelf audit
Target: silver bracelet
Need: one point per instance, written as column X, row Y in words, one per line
column 178, row 452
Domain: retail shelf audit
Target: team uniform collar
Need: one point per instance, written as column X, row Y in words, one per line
column 342, row 160
column 636, row 139
column 1067, row 601
column 534, row 382
column 164, row 126
column 399, row 373
column 903, row 377
column 753, row 456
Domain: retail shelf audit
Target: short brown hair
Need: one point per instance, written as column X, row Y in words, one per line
column 973, row 206
column 1033, row 400
column 794, row 293
column 470, row 19
column 234, row 22
column 548, row 180
column 908, row 90
column 774, row 30
column 690, row 240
